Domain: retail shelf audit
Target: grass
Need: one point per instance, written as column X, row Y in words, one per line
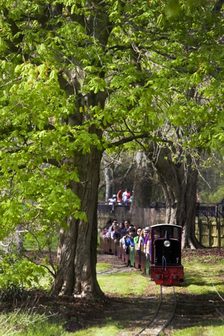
column 201, row 331
column 203, row 276
column 20, row 323
column 31, row 324
column 28, row 324
column 108, row 330
column 102, row 267
column 123, row 284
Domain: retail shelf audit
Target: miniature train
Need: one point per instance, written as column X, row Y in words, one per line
column 163, row 263
column 166, row 268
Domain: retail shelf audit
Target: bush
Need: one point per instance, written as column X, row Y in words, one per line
column 16, row 272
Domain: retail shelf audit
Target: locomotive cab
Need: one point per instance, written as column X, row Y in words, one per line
column 166, row 268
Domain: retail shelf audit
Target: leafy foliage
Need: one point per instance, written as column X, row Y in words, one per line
column 78, row 76
column 16, row 273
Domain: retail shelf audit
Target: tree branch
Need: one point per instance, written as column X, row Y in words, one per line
column 127, row 139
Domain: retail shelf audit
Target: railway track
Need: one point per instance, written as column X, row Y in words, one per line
column 165, row 308
column 163, row 315
column 117, row 266
column 116, row 269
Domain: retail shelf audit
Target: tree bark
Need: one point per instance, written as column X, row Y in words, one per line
column 179, row 182
column 78, row 245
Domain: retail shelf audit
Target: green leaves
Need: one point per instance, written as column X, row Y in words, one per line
column 76, row 76
column 17, row 273
column 173, row 8
column 94, row 84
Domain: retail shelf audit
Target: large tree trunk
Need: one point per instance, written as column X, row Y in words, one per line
column 78, row 245
column 179, row 182
column 77, row 265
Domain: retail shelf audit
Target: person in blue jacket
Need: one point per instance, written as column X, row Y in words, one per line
column 129, row 246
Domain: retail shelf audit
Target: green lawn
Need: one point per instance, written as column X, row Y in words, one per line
column 123, row 284
column 204, row 276
column 201, row 331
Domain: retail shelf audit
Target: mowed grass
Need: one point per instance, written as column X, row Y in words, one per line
column 203, row 276
column 103, row 267
column 110, row 329
column 19, row 323
column 201, row 331
column 123, row 284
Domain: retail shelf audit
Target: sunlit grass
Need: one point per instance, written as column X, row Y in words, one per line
column 102, row 267
column 31, row 324
column 202, row 275
column 107, row 330
column 28, row 324
column 123, row 284
column 201, row 331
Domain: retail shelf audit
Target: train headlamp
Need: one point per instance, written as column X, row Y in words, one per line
column 166, row 243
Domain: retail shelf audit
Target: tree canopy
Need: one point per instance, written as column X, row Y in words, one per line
column 78, row 77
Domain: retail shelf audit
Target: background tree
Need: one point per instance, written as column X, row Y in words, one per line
column 183, row 77
column 117, row 173
column 210, row 185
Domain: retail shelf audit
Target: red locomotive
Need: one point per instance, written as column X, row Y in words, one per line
column 166, row 268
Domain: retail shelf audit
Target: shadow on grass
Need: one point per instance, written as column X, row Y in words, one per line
column 197, row 279
column 129, row 313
